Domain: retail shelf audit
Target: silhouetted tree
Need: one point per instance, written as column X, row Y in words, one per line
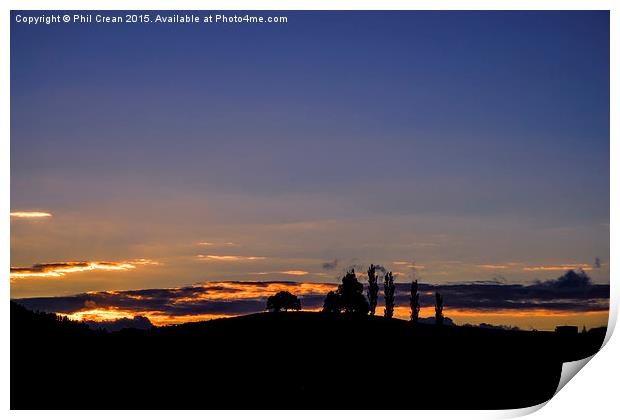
column 388, row 291
column 283, row 301
column 438, row 309
column 331, row 304
column 414, row 302
column 349, row 297
column 373, row 288
column 351, row 293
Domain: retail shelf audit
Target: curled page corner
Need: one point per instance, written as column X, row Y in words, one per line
column 518, row 412
column 570, row 369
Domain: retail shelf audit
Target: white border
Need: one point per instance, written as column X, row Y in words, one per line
column 592, row 393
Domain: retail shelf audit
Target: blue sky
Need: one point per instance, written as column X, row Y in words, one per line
column 453, row 139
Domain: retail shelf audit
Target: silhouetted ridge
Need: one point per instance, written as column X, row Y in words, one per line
column 240, row 362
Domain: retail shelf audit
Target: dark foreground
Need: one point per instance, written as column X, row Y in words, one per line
column 285, row 360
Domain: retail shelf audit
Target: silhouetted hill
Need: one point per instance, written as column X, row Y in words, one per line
column 285, row 360
column 137, row 322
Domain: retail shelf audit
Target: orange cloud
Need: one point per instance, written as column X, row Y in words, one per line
column 492, row 266
column 230, row 258
column 59, row 269
column 253, row 290
column 409, row 264
column 30, row 214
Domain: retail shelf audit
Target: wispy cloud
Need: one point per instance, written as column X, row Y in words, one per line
column 204, row 243
column 30, row 214
column 560, row 267
column 295, row 272
column 288, row 272
column 60, row 269
column 228, row 258
column 410, row 264
column 492, row 266
column 425, row 245
column 330, row 265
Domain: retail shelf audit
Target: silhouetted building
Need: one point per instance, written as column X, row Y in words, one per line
column 567, row 329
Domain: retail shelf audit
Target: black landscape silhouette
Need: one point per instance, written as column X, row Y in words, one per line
column 285, row 360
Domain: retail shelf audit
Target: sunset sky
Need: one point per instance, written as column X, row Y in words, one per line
column 475, row 144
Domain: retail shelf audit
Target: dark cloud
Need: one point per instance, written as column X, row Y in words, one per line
column 330, row 265
column 570, row 280
column 49, row 267
column 571, row 292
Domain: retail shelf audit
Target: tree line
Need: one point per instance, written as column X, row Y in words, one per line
column 349, row 298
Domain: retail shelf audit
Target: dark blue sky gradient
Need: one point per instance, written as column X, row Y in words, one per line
column 464, row 114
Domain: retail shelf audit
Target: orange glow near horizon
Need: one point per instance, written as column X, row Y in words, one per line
column 193, row 303
column 531, row 319
column 157, row 318
column 541, row 319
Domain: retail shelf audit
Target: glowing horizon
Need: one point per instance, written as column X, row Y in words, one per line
column 210, row 300
column 526, row 320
